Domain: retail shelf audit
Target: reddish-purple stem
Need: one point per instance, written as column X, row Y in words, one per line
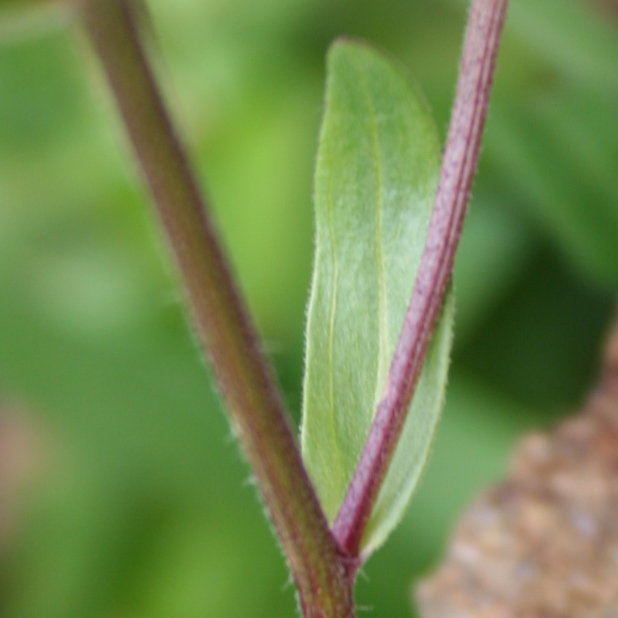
column 456, row 174
column 222, row 325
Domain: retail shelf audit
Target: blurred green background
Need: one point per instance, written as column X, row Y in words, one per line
column 137, row 504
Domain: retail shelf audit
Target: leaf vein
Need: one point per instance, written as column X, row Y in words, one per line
column 383, row 348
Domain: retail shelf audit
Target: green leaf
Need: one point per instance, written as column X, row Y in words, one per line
column 377, row 169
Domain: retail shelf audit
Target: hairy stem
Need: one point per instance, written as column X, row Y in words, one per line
column 458, row 165
column 223, row 327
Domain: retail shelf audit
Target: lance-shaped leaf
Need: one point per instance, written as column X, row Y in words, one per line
column 377, row 170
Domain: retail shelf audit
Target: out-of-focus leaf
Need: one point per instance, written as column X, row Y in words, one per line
column 571, row 35
column 495, row 247
column 376, row 175
column 563, row 173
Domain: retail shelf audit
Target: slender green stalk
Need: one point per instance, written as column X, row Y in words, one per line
column 458, row 165
column 222, row 325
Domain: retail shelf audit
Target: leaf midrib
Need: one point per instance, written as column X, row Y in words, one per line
column 383, row 347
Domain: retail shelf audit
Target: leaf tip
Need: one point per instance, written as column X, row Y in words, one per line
column 345, row 44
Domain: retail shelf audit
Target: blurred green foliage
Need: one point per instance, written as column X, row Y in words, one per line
column 141, row 507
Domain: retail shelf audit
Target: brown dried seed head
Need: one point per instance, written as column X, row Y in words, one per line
column 544, row 543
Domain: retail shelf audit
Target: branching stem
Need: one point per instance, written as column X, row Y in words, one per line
column 458, row 165
column 321, row 563
column 222, row 325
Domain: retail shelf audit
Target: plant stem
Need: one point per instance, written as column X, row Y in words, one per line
column 458, row 165
column 223, row 327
